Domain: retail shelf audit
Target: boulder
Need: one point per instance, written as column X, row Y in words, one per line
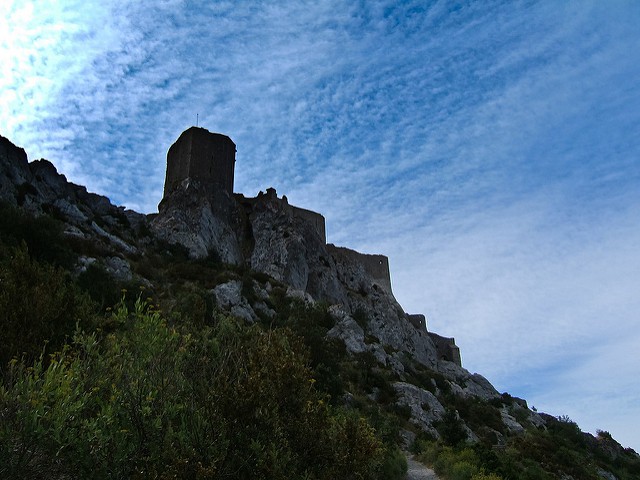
column 228, row 296
column 425, row 408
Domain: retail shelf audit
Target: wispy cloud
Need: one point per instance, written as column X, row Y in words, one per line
column 490, row 149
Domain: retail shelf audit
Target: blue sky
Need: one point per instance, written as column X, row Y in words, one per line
column 489, row 148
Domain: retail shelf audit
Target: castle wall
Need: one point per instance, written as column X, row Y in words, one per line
column 203, row 156
column 418, row 320
column 447, row 348
column 376, row 266
column 177, row 163
column 314, row 219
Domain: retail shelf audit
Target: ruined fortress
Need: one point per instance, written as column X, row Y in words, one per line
column 201, row 155
column 208, row 159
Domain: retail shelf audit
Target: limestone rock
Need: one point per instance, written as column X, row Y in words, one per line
column 426, row 410
column 199, row 222
column 606, row 475
column 300, row 295
column 84, row 263
column 113, row 239
column 119, row 268
column 260, row 307
column 466, row 384
column 289, row 249
column 38, row 188
column 536, row 419
column 347, row 330
column 510, row 422
column 228, row 296
column 15, row 176
column 69, row 211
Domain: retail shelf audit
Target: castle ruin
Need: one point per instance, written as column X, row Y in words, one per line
column 208, row 160
column 313, row 219
column 376, row 266
column 447, row 348
column 203, row 156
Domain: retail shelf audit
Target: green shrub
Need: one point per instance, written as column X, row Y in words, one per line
column 311, row 323
column 42, row 235
column 100, row 285
column 151, row 401
column 452, row 463
column 34, row 415
column 394, row 464
column 427, row 451
column 193, row 305
column 462, row 470
column 451, row 428
column 485, row 476
column 39, row 306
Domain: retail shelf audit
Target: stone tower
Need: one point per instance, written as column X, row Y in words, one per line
column 202, row 156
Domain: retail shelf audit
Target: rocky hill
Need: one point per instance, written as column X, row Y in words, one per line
column 212, row 250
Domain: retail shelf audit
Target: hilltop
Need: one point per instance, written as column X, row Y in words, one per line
column 244, row 291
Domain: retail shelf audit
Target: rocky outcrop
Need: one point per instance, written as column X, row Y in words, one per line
column 267, row 235
column 38, row 188
column 425, row 408
column 465, row 383
column 228, row 296
column 290, row 250
column 200, row 221
column 347, row 330
column 15, row 176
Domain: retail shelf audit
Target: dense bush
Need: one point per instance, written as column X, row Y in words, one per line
column 39, row 306
column 154, row 401
column 100, row 286
column 451, row 428
column 311, row 323
column 42, row 235
column 558, row 451
column 460, row 463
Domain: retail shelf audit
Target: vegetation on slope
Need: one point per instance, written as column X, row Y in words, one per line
column 160, row 384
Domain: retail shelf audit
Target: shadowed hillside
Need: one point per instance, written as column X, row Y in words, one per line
column 223, row 338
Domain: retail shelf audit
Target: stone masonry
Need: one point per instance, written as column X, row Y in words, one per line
column 204, row 156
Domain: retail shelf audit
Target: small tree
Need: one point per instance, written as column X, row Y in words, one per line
column 451, row 428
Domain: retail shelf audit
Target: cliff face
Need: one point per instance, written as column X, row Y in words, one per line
column 259, row 259
column 39, row 189
column 268, row 236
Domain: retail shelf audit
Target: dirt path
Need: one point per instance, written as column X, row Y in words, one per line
column 417, row 471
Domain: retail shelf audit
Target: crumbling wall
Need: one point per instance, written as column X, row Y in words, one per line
column 447, row 348
column 314, row 219
column 376, row 266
